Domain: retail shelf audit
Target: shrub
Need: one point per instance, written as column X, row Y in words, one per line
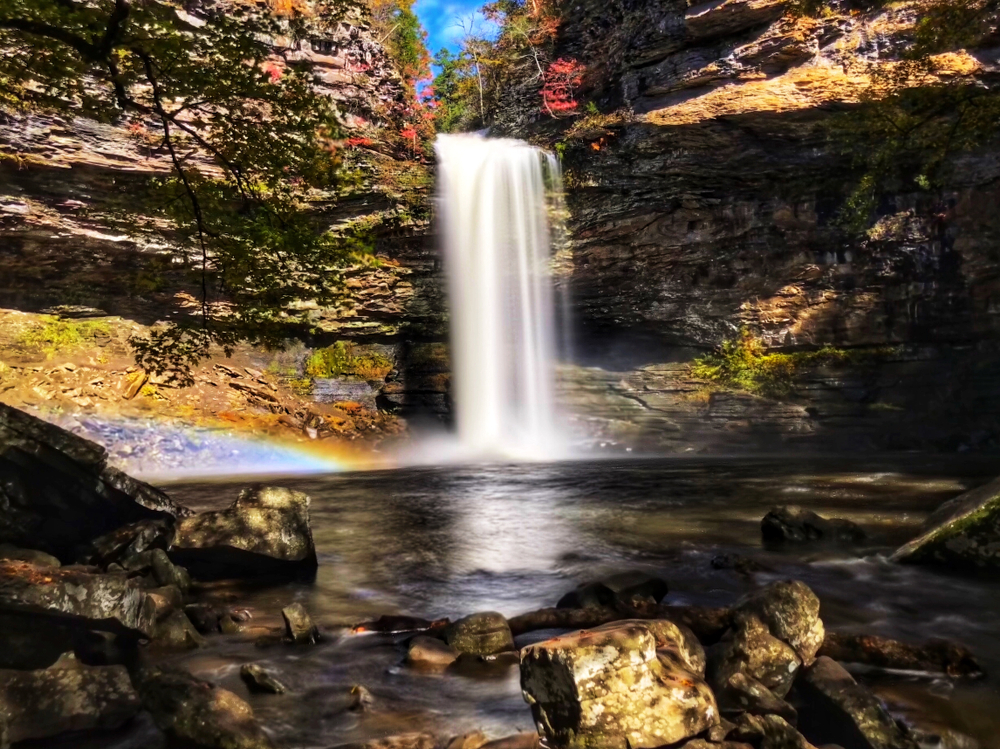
column 54, row 335
column 339, row 360
column 742, row 363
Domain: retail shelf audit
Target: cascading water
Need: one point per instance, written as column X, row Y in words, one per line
column 494, row 212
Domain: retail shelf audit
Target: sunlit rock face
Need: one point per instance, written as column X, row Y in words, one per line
column 714, row 203
column 607, row 688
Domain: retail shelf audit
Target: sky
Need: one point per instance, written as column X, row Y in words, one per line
column 443, row 20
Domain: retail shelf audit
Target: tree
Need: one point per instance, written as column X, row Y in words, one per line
column 247, row 135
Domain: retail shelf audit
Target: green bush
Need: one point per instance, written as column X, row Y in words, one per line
column 339, row 360
column 53, row 335
column 742, row 363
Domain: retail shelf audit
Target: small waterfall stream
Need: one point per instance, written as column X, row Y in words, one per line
column 494, row 209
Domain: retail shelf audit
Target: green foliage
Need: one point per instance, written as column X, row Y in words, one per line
column 399, row 29
column 452, row 109
column 53, row 335
column 743, row 363
column 340, row 360
column 249, row 138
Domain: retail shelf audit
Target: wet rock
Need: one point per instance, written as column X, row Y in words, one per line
column 722, row 744
column 627, row 588
column 31, row 556
column 720, row 731
column 400, row 741
column 196, row 713
column 751, row 649
column 129, row 541
column 259, row 680
column 743, row 694
column 471, row 740
column 299, row 627
column 361, row 700
column 485, row 633
column 391, row 624
column 264, row 532
column 44, row 609
column 836, row 707
column 56, row 493
column 166, row 600
column 673, row 641
column 168, row 573
column 204, row 617
column 526, row 740
column 793, row 524
column 767, row 732
column 178, row 633
column 429, row 651
column 790, row 610
column 591, row 595
column 963, row 533
column 68, row 696
column 606, row 687
column 934, row 656
column 778, row 734
column 485, row 666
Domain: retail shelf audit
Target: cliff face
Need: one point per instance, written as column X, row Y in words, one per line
column 73, row 233
column 76, row 241
column 710, row 200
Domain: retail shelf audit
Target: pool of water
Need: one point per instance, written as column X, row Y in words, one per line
column 450, row 541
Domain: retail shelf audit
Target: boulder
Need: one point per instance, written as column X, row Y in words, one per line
column 485, row 633
column 57, row 493
column 626, row 588
column 834, row 706
column 67, row 696
column 45, row 611
column 32, row 556
column 470, row 740
column 299, row 627
column 129, row 541
column 607, row 688
column 259, row 680
column 792, row 524
column 768, row 732
column 673, row 641
column 963, row 533
column 525, row 740
column 743, row 694
column 750, row 648
column 264, row 532
column 934, row 656
column 204, row 617
column 176, row 632
column 394, row 624
column 195, row 713
column 430, row 652
column 790, row 610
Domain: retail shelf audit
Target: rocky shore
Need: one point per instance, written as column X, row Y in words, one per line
column 105, row 579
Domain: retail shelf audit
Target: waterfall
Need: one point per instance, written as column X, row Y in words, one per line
column 494, row 214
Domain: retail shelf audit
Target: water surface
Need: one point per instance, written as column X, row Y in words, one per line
column 450, row 541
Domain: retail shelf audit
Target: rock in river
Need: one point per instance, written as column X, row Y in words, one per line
column 429, row 652
column 607, row 688
column 195, row 713
column 792, row 524
column 836, row 707
column 963, row 532
column 67, row 696
column 299, row 627
column 264, row 532
column 485, row 633
column 259, row 680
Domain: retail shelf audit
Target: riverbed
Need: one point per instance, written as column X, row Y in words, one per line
column 449, row 541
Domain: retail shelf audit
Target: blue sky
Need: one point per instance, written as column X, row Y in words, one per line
column 443, row 21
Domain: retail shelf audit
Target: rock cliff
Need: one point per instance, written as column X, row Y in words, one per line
column 706, row 199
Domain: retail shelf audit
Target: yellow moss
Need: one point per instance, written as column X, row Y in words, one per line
column 53, row 335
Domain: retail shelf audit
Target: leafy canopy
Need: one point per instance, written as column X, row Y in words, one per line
column 222, row 94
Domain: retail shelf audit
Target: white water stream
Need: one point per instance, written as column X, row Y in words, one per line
column 494, row 211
